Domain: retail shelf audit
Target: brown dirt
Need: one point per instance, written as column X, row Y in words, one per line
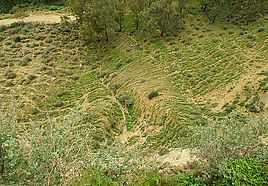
column 177, row 157
column 228, row 93
column 45, row 18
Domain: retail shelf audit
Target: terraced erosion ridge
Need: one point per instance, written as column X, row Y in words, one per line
column 128, row 104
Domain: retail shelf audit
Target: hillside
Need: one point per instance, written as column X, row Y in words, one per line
column 127, row 109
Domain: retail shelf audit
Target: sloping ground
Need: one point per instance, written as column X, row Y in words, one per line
column 50, row 72
column 186, row 73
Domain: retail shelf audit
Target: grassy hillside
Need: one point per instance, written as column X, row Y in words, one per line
column 117, row 108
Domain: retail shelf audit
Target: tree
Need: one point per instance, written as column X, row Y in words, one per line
column 164, row 15
column 137, row 7
column 119, row 11
column 5, row 6
column 95, row 16
column 235, row 10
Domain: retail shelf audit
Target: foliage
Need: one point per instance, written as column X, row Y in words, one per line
column 243, row 171
column 226, row 140
column 7, row 5
column 241, row 10
column 99, row 19
column 165, row 15
column 43, row 152
column 125, row 99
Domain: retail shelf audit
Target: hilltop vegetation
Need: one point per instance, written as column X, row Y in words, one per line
column 158, row 92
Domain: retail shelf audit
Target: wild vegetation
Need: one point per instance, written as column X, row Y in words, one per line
column 157, row 92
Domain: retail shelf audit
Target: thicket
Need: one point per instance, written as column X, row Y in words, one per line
column 100, row 19
column 239, row 11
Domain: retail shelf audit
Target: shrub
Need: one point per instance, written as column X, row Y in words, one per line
column 3, row 64
column 244, row 171
column 226, row 140
column 16, row 24
column 44, row 151
column 153, row 94
column 261, row 29
column 2, row 38
column 125, row 99
column 9, row 83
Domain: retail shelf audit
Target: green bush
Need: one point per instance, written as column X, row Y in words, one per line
column 244, row 171
column 125, row 99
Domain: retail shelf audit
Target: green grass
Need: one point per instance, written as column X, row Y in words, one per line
column 153, row 88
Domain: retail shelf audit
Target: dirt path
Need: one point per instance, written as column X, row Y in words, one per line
column 46, row 18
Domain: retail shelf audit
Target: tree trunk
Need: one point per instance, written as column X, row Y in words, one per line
column 106, row 33
column 205, row 7
column 214, row 18
column 2, row 166
column 120, row 25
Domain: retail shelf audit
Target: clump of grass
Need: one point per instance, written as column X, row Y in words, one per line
column 153, row 94
column 75, row 77
column 2, row 28
column 3, row 64
column 17, row 39
column 10, row 74
column 9, row 83
column 25, row 61
column 58, row 103
column 31, row 77
column 48, row 40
